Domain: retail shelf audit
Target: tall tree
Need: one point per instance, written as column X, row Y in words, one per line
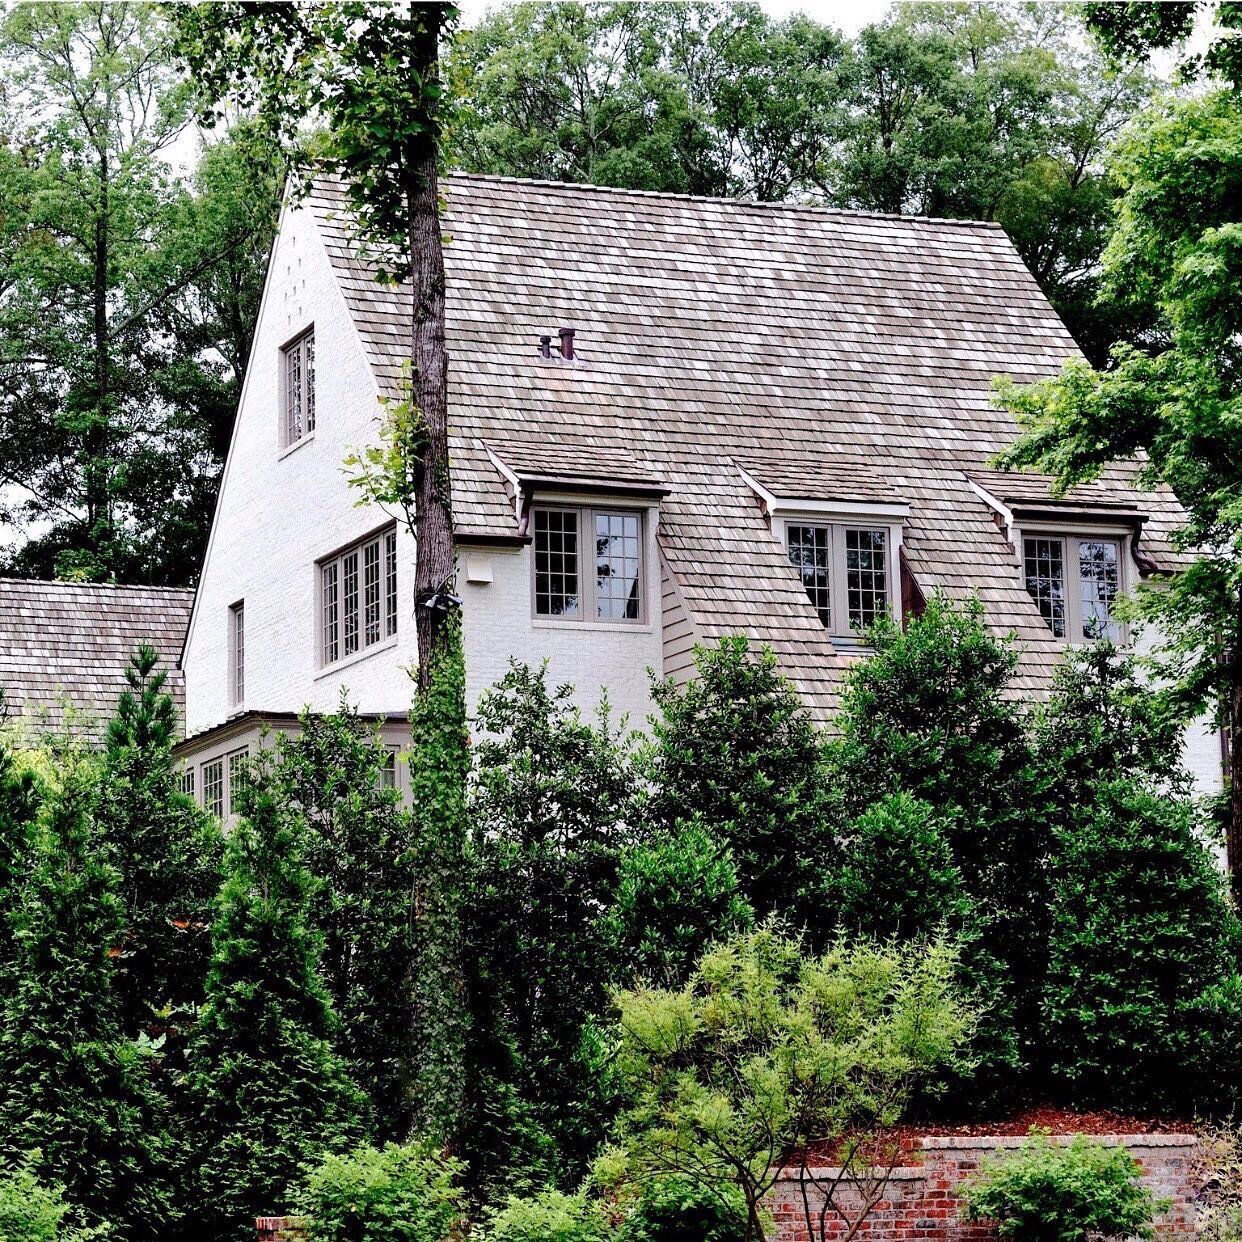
column 360, row 849
column 107, row 298
column 1135, row 28
column 167, row 855
column 1178, row 245
column 269, row 1093
column 370, row 73
column 73, row 1085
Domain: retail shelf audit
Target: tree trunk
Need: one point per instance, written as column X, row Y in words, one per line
column 1233, row 841
column 429, row 358
column 98, row 504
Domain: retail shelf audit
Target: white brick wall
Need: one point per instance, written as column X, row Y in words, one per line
column 279, row 514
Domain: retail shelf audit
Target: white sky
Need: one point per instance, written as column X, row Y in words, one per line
column 848, row 16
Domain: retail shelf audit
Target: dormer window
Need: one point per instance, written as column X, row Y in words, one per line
column 298, row 358
column 1075, row 582
column 588, row 564
column 847, row 571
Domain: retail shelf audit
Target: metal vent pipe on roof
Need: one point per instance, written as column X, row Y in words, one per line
column 545, row 347
column 567, row 343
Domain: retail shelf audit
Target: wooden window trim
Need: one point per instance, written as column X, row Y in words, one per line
column 375, row 618
column 1071, row 541
column 588, row 602
column 840, row 627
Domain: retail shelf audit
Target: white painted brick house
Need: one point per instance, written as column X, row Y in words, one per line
column 776, row 421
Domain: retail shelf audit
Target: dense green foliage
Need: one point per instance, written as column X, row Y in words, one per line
column 995, row 112
column 930, row 715
column 672, row 891
column 388, row 1194
column 73, row 1086
column 550, row 817
column 31, row 1211
column 549, row 1216
column 737, row 749
column 360, row 848
column 167, row 855
column 767, row 1049
column 1046, row 1192
column 128, row 294
column 1177, row 248
column 1141, row 931
column 268, row 1091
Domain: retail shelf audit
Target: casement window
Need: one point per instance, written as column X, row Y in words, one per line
column 298, row 359
column 588, row 564
column 847, row 571
column 223, row 781
column 1075, row 582
column 358, row 597
column 213, row 788
column 237, row 778
column 388, row 773
column 237, row 653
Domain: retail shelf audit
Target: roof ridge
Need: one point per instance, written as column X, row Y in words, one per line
column 110, row 586
column 780, row 204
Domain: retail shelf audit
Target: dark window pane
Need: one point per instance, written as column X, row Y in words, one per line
column 809, row 550
column 556, row 563
column 1044, row 565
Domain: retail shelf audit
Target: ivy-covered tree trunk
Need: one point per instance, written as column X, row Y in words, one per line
column 429, row 354
column 1233, row 838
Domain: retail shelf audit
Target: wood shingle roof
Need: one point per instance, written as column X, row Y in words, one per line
column 839, row 354
column 64, row 647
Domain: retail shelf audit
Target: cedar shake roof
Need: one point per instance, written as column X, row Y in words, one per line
column 828, row 354
column 64, row 648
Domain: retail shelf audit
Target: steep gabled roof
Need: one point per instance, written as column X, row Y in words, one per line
column 64, row 647
column 845, row 354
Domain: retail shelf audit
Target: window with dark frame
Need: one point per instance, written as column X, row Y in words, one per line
column 299, row 380
column 844, row 571
column 567, row 588
column 358, row 597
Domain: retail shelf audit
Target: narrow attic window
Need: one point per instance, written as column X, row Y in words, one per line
column 237, row 653
column 299, row 387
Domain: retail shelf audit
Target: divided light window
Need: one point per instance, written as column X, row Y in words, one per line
column 358, row 597
column 299, row 384
column 844, row 570
column 588, row 564
column 222, row 784
column 1074, row 582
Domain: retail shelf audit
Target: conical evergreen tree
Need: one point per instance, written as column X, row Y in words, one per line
column 19, row 801
column 268, row 1091
column 167, row 853
column 70, row 1084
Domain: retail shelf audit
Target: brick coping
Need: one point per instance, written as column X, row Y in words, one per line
column 999, row 1142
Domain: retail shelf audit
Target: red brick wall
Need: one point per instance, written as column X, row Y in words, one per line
column 279, row 1228
column 920, row 1202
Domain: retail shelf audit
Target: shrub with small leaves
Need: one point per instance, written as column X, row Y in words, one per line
column 32, row 1211
column 1052, row 1192
column 386, row 1194
column 548, row 1216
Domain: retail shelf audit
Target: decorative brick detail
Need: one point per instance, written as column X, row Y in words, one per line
column 280, row 1228
column 921, row 1203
